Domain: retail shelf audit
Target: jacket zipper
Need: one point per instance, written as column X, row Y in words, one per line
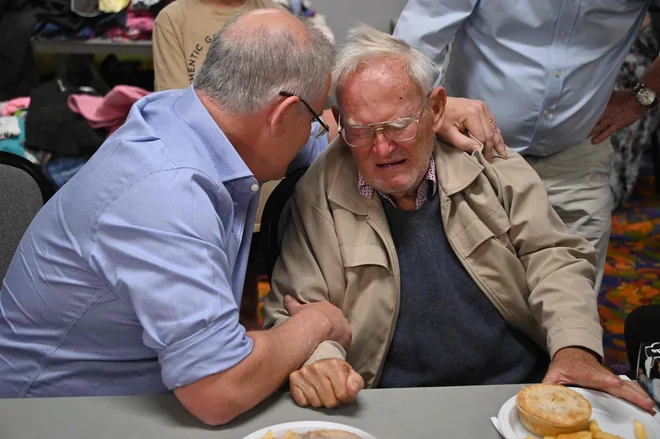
column 397, row 275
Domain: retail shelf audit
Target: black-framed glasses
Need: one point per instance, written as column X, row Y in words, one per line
column 398, row 130
column 324, row 128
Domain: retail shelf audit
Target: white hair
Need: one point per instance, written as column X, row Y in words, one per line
column 247, row 67
column 364, row 44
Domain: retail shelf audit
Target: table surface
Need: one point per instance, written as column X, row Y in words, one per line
column 449, row 412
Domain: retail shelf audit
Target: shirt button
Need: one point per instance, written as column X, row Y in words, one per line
column 235, row 203
column 562, row 33
column 557, row 74
column 254, row 187
column 546, row 113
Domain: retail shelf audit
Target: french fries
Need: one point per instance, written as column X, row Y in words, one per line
column 594, row 432
column 603, row 435
column 593, row 426
column 578, row 435
column 640, row 431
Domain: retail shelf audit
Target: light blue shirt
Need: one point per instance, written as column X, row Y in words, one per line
column 129, row 280
column 546, row 68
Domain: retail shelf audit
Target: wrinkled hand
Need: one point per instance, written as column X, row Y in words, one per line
column 622, row 110
column 325, row 383
column 467, row 115
column 325, row 315
column 579, row 367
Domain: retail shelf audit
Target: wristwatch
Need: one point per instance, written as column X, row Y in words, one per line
column 644, row 96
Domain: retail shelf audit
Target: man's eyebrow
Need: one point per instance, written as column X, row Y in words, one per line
column 347, row 121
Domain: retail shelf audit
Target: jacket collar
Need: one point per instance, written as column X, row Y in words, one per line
column 455, row 170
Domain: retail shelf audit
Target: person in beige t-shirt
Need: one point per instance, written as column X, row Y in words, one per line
column 182, row 33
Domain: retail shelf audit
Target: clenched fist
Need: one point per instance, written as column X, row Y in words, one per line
column 326, row 383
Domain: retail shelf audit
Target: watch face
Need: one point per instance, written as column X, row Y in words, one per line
column 645, row 96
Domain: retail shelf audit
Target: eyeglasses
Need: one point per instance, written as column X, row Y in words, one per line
column 323, row 128
column 399, row 130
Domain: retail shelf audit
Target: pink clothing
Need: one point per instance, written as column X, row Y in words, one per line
column 109, row 111
column 14, row 105
column 140, row 20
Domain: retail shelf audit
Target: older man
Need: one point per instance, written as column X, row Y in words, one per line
column 450, row 270
column 128, row 281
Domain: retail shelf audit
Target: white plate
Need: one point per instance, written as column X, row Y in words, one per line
column 614, row 416
column 305, row 426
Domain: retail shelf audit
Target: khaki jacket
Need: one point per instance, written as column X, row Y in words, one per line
column 338, row 248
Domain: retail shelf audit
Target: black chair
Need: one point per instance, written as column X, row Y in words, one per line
column 24, row 189
column 272, row 222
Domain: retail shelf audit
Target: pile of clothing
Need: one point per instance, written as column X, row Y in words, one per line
column 12, row 126
column 112, row 19
column 64, row 121
column 22, row 20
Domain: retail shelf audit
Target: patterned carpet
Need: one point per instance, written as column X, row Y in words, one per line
column 632, row 273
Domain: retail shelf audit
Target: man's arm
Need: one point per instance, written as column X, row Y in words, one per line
column 622, row 109
column 219, row 398
column 166, row 258
column 310, row 256
column 559, row 265
column 560, row 274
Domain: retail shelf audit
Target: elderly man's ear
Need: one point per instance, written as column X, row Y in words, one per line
column 437, row 104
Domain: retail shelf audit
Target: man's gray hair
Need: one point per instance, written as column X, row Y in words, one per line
column 364, row 44
column 246, row 68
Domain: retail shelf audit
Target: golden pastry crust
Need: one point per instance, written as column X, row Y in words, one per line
column 549, row 410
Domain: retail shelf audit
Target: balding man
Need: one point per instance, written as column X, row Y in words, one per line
column 128, row 281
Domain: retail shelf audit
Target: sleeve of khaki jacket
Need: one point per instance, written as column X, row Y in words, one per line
column 169, row 59
column 309, row 268
column 560, row 266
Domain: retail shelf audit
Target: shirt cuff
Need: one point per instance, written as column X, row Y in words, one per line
column 210, row 351
column 327, row 349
